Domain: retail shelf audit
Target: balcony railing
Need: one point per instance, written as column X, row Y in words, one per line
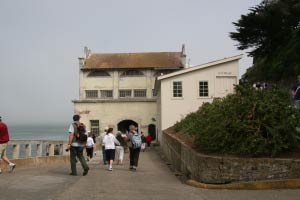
column 19, row 149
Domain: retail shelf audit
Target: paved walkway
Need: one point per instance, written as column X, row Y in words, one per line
column 153, row 180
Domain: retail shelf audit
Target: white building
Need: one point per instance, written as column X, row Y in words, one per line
column 184, row 91
column 116, row 89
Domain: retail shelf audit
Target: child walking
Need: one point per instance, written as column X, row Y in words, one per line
column 90, row 146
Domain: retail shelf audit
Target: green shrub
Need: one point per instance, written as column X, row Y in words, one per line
column 249, row 122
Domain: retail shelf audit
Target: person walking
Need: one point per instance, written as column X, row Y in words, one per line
column 109, row 141
column 124, row 134
column 4, row 138
column 103, row 145
column 143, row 147
column 148, row 140
column 120, row 148
column 90, row 146
column 134, row 143
column 76, row 146
column 296, row 93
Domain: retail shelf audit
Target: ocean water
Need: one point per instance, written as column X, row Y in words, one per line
column 35, row 132
column 38, row 132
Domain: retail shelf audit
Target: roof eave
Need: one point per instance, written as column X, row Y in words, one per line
column 143, row 67
column 202, row 66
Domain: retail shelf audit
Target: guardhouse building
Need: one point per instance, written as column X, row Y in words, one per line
column 116, row 89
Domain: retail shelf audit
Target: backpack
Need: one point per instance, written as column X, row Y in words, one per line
column 136, row 141
column 79, row 133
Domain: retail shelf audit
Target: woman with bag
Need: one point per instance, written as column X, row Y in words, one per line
column 120, row 148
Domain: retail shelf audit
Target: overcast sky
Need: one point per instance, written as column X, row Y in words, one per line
column 40, row 41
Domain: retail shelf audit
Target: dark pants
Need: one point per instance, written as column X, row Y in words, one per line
column 134, row 156
column 103, row 154
column 77, row 152
column 89, row 152
column 110, row 154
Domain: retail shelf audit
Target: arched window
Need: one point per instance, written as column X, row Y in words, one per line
column 96, row 73
column 132, row 72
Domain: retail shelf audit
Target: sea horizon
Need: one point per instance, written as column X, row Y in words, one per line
column 39, row 131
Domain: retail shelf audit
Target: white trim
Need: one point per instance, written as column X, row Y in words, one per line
column 210, row 64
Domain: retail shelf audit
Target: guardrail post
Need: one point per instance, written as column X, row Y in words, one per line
column 27, row 150
column 65, row 146
column 39, row 149
column 61, row 149
column 51, row 149
column 16, row 151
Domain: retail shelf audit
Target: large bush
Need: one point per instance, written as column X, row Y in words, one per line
column 249, row 122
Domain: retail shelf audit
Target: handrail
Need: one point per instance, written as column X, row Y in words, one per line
column 35, row 148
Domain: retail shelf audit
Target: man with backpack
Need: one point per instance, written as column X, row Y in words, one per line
column 134, row 143
column 77, row 141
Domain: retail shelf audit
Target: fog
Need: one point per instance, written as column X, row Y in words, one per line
column 42, row 40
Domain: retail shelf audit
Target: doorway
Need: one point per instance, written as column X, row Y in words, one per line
column 152, row 131
column 124, row 125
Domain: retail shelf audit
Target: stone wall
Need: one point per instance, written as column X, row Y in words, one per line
column 219, row 169
column 37, row 162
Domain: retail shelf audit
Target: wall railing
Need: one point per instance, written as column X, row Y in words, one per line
column 22, row 149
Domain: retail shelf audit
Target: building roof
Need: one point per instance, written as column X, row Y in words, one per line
column 134, row 60
column 202, row 66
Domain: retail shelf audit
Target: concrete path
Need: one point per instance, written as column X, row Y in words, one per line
column 153, row 180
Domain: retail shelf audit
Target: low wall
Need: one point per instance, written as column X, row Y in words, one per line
column 37, row 162
column 17, row 149
column 219, row 169
column 36, row 153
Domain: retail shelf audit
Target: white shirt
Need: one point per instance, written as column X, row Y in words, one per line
column 71, row 128
column 109, row 141
column 90, row 142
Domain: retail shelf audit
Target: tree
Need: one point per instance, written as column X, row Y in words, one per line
column 271, row 31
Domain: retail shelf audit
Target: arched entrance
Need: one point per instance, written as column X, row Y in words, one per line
column 152, row 131
column 124, row 125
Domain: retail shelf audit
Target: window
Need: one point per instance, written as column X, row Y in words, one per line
column 132, row 72
column 96, row 73
column 177, row 89
column 91, row 93
column 125, row 93
column 106, row 93
column 95, row 127
column 203, row 88
column 140, row 93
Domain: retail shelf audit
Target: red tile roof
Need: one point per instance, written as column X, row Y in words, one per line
column 134, row 60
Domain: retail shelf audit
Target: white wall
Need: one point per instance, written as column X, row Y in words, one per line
column 111, row 113
column 116, row 82
column 174, row 109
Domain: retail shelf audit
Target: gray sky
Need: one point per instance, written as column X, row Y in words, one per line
column 40, row 41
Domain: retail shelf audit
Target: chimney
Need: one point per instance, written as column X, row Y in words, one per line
column 81, row 62
column 87, row 52
column 183, row 56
